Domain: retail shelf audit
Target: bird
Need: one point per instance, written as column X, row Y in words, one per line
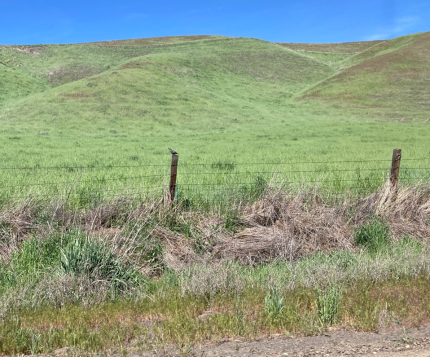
column 173, row 152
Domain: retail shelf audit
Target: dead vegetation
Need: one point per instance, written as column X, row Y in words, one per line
column 281, row 225
column 76, row 95
column 34, row 50
column 286, row 226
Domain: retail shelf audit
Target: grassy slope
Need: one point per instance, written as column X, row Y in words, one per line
column 332, row 54
column 53, row 65
column 209, row 88
column 213, row 100
column 14, row 84
column 390, row 78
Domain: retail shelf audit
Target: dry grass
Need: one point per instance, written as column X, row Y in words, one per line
column 286, row 226
column 280, row 225
column 406, row 210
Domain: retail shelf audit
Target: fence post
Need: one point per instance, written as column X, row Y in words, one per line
column 173, row 174
column 395, row 167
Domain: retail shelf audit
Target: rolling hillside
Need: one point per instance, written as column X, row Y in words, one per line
column 215, row 87
column 392, row 78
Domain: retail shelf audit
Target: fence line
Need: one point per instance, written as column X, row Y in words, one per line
column 370, row 182
column 71, row 182
column 124, row 178
column 142, row 191
column 206, row 164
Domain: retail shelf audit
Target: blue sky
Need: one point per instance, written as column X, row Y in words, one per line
column 34, row 22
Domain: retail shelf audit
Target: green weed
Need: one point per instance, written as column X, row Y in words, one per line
column 328, row 302
column 273, row 303
column 374, row 235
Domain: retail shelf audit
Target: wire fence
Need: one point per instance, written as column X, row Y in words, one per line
column 92, row 167
column 335, row 177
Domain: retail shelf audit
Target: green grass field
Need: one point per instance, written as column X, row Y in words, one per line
column 220, row 102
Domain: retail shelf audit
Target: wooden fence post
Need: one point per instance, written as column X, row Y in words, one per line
column 395, row 167
column 173, row 174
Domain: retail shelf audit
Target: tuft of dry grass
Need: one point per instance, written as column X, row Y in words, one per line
column 406, row 210
column 283, row 226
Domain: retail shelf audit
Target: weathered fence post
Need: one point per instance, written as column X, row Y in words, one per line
column 395, row 167
column 173, row 174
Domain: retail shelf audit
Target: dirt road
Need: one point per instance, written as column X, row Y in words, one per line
column 396, row 342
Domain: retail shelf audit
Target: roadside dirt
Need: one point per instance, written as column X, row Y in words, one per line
column 410, row 342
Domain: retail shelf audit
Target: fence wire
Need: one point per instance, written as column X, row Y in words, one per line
column 222, row 172
column 213, row 164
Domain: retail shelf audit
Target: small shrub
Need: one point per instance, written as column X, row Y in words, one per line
column 178, row 225
column 199, row 246
column 259, row 186
column 374, row 235
column 255, row 189
column 328, row 302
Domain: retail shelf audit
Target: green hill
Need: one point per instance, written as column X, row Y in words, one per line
column 201, row 87
column 390, row 78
